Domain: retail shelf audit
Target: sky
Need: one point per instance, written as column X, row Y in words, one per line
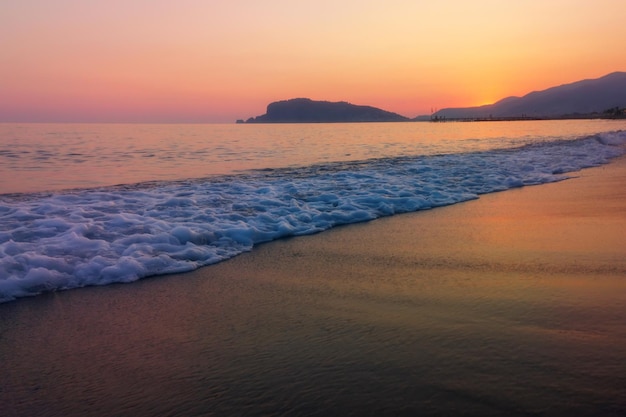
column 207, row 61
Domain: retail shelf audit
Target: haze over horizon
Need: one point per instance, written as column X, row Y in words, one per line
column 214, row 61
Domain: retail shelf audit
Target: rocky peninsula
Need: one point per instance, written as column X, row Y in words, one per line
column 304, row 110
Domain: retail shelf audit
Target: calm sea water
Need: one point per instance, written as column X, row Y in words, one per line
column 47, row 157
column 97, row 204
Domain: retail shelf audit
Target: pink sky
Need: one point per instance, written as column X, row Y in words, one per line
column 217, row 61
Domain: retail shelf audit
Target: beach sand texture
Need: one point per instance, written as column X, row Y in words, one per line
column 510, row 305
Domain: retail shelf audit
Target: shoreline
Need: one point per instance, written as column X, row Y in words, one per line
column 509, row 304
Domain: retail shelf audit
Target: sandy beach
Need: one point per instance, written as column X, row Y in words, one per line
column 510, row 305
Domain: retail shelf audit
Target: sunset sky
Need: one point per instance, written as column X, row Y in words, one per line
column 217, row 61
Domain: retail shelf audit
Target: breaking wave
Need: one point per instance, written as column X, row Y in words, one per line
column 59, row 241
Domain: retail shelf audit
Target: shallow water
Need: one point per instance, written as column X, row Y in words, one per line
column 487, row 308
column 285, row 180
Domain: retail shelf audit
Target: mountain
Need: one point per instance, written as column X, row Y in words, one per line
column 304, row 110
column 580, row 98
column 600, row 97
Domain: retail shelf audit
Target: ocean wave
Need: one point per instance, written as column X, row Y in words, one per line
column 121, row 234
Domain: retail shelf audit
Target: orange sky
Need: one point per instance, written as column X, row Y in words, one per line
column 217, row 61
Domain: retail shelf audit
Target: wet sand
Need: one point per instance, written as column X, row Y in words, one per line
column 513, row 304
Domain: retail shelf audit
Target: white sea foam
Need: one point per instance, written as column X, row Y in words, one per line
column 120, row 234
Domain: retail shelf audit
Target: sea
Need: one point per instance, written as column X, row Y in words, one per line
column 96, row 204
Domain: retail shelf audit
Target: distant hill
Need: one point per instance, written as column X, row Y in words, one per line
column 600, row 97
column 304, row 110
column 580, row 98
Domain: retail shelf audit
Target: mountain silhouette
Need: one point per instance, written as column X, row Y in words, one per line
column 579, row 98
column 304, row 110
column 600, row 97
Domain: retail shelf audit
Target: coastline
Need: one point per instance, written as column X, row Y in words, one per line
column 510, row 304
